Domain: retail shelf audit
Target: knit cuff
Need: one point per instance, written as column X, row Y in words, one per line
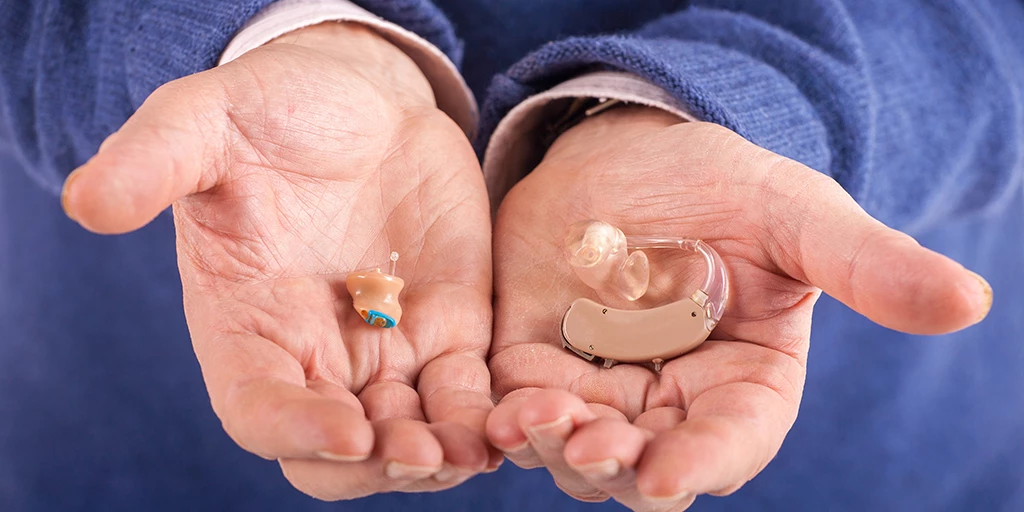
column 170, row 40
column 712, row 83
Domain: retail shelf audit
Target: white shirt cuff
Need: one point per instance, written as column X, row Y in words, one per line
column 517, row 144
column 450, row 90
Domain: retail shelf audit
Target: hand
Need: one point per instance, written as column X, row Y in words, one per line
column 312, row 156
column 713, row 418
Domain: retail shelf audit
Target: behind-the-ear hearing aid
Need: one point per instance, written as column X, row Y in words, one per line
column 599, row 254
column 375, row 294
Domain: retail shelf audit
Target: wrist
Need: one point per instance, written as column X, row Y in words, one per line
column 610, row 128
column 368, row 53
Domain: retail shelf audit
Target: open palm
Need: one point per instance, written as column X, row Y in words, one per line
column 287, row 169
column 713, row 418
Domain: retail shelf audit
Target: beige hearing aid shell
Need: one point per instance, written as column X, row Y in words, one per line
column 373, row 290
column 634, row 336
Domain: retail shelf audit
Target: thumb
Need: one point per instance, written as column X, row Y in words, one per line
column 165, row 151
column 830, row 242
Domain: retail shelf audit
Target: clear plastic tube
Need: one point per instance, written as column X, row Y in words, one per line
column 599, row 253
column 715, row 287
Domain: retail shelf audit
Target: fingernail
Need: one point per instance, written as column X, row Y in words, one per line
column 602, row 470
column 987, row 290
column 447, row 473
column 550, row 435
column 337, row 457
column 518, row 448
column 65, row 192
column 669, row 499
column 495, row 460
column 399, row 471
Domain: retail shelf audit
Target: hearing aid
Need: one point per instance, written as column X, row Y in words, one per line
column 375, row 294
column 599, row 254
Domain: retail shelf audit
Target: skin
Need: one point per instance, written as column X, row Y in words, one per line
column 305, row 159
column 715, row 417
column 323, row 151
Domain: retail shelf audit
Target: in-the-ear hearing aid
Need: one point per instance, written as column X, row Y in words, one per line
column 375, row 294
column 599, row 254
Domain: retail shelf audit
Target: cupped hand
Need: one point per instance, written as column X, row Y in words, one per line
column 713, row 418
column 318, row 154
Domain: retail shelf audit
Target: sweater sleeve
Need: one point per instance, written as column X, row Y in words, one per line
column 72, row 72
column 914, row 107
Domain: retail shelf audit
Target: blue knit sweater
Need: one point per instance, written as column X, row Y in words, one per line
column 914, row 106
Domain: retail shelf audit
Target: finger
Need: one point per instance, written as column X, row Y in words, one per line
column 503, row 430
column 462, row 459
column 457, row 388
column 825, row 238
column 548, row 419
column 408, row 450
column 529, row 365
column 406, row 453
column 605, row 452
column 389, row 399
column 462, row 456
column 454, row 415
column 160, row 155
column 622, row 488
column 258, row 391
column 730, row 434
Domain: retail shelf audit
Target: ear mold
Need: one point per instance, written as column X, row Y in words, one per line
column 375, row 294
